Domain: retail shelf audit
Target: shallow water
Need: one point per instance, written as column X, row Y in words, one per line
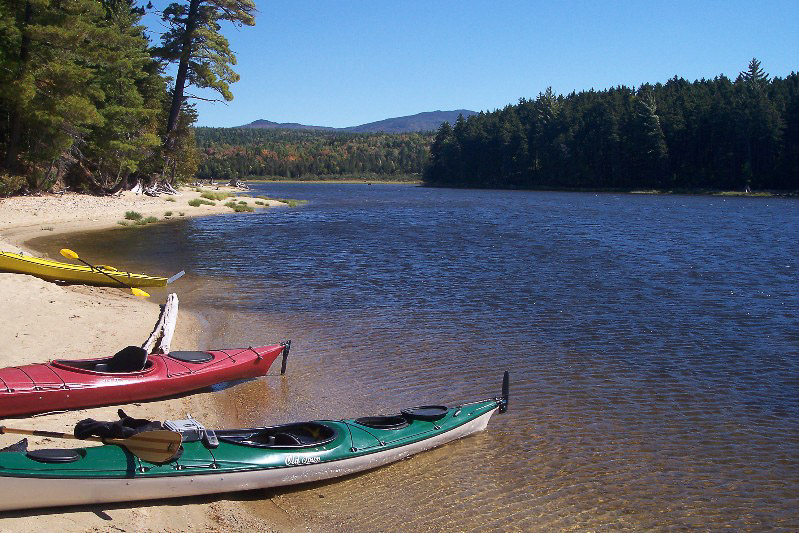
column 653, row 344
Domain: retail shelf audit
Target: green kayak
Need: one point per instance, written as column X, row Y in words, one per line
column 232, row 460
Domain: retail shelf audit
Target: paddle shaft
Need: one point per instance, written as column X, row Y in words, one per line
column 156, row 446
column 38, row 433
column 103, row 272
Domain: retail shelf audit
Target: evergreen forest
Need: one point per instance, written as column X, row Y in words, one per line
column 718, row 134
column 85, row 98
column 239, row 153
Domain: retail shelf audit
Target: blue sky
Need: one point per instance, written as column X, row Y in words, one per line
column 346, row 63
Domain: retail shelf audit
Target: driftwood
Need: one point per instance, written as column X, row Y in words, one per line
column 155, row 190
column 161, row 337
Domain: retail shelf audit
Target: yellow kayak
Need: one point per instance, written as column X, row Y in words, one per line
column 67, row 272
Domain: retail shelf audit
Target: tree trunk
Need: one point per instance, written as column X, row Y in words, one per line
column 15, row 133
column 183, row 69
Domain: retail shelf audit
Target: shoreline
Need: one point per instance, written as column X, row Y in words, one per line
column 50, row 321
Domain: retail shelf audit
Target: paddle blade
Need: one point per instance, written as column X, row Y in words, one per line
column 69, row 254
column 175, row 277
column 140, row 293
column 158, row 446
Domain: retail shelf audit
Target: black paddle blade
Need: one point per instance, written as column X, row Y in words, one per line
column 503, row 404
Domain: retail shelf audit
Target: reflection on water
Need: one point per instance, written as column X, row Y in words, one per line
column 653, row 344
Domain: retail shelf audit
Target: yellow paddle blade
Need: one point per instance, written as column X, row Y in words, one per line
column 108, row 268
column 66, row 252
column 138, row 292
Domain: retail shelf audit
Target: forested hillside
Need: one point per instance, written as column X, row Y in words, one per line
column 706, row 134
column 238, row 153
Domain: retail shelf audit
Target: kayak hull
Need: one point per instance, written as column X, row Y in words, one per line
column 149, row 482
column 62, row 385
column 70, row 273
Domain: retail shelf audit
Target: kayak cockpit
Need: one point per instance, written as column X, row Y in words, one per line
column 300, row 435
column 127, row 360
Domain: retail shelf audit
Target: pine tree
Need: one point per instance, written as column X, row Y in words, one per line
column 754, row 75
column 132, row 92
column 49, row 86
column 203, row 54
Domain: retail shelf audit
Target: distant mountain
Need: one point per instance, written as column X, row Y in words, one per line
column 427, row 121
column 269, row 125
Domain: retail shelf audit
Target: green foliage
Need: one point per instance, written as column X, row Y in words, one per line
column 133, row 215
column 203, row 55
column 168, row 214
column 85, row 103
column 216, row 195
column 240, row 207
column 709, row 134
column 292, row 203
column 197, row 202
column 239, row 153
column 10, row 184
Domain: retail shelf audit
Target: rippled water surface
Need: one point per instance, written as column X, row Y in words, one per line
column 653, row 344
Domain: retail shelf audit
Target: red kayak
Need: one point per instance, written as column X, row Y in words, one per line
column 130, row 375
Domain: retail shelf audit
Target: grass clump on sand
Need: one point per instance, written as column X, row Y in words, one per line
column 170, row 199
column 168, row 214
column 216, row 195
column 122, row 223
column 259, row 202
column 197, row 202
column 132, row 215
column 181, row 214
column 289, row 201
column 240, row 207
column 145, row 221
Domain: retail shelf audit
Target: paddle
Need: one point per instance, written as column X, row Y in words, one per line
column 157, row 446
column 66, row 252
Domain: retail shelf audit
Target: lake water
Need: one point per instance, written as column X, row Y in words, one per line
column 652, row 341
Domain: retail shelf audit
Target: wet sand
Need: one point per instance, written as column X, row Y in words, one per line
column 48, row 321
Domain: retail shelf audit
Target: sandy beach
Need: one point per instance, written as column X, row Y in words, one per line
column 43, row 321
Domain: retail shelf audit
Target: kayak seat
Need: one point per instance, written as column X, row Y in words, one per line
column 191, row 357
column 54, row 456
column 130, row 359
column 383, row 422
